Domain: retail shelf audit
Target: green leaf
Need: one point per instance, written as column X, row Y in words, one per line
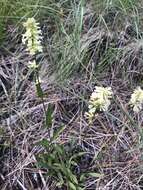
column 49, row 116
column 97, row 175
column 59, row 184
column 39, row 90
column 42, row 164
column 60, row 179
column 61, row 168
column 74, row 179
column 82, row 177
column 44, row 143
column 73, row 163
column 58, row 132
column 76, row 156
column 80, row 188
column 59, row 149
column 72, row 186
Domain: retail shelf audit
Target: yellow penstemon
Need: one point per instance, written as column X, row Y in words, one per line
column 100, row 100
column 32, row 65
column 32, row 39
column 33, row 36
column 136, row 101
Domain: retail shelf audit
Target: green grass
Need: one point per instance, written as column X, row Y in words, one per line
column 15, row 11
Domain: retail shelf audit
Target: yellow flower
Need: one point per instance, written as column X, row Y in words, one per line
column 38, row 81
column 136, row 100
column 90, row 114
column 99, row 99
column 32, row 65
column 32, row 36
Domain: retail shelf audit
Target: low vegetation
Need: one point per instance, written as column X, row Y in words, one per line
column 71, row 94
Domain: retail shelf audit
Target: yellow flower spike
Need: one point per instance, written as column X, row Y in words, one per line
column 99, row 100
column 136, row 100
column 32, row 36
